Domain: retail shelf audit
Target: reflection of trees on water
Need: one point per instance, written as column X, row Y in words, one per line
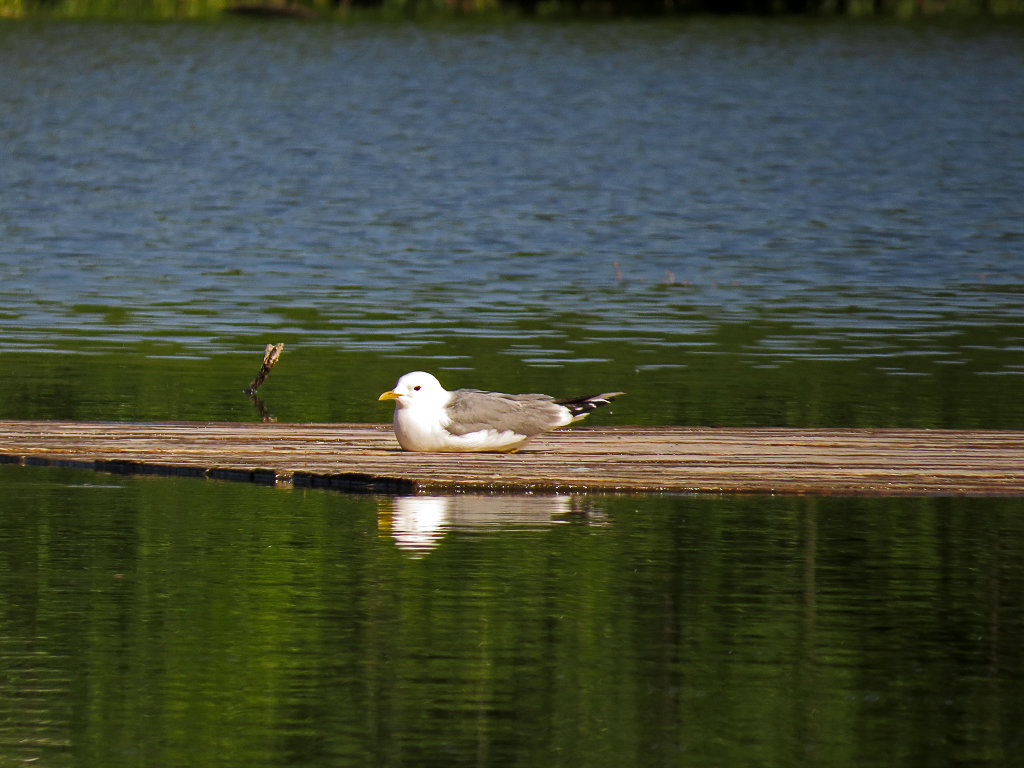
column 671, row 7
column 311, row 9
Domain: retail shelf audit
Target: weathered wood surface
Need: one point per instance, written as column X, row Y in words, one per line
column 365, row 457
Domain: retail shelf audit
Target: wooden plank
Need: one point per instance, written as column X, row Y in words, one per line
column 365, row 457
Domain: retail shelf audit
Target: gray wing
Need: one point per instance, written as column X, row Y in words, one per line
column 472, row 409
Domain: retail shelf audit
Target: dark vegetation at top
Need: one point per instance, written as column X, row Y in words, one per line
column 344, row 9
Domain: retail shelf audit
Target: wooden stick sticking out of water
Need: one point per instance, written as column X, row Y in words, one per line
column 270, row 357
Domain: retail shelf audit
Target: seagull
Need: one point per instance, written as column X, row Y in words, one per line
column 430, row 418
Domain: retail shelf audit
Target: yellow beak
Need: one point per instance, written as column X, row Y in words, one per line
column 389, row 395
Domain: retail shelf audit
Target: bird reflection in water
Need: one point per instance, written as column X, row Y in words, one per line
column 418, row 523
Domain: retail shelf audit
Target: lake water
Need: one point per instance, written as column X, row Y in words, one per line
column 177, row 622
column 736, row 221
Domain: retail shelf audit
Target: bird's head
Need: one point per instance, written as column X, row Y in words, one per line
column 417, row 388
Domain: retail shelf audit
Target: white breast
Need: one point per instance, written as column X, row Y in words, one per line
column 419, row 429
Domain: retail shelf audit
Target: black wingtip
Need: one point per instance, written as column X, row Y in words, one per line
column 588, row 403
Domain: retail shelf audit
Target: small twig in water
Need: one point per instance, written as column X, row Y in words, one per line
column 270, row 357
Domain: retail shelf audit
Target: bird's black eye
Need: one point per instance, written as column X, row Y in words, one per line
column 417, row 388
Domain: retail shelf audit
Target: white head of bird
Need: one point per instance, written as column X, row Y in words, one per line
column 418, row 388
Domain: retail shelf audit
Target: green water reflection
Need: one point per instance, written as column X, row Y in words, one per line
column 728, row 375
column 183, row 622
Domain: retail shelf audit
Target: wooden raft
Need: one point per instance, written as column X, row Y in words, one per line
column 366, row 458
